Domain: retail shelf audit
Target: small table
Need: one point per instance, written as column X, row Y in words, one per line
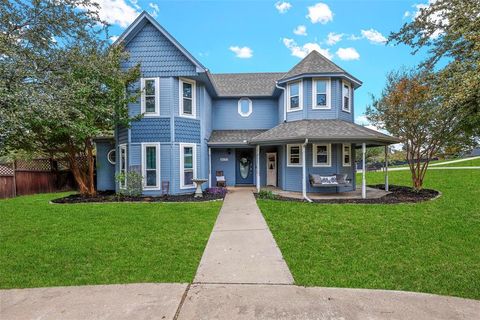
column 198, row 187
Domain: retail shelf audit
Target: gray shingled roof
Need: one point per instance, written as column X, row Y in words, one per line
column 246, row 84
column 233, row 136
column 314, row 62
column 326, row 130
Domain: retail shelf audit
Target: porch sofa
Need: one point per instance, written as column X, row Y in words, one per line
column 334, row 180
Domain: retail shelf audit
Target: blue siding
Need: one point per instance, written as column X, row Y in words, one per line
column 175, row 170
column 228, row 167
column 122, row 135
column 151, row 130
column 226, row 117
column 105, row 170
column 342, row 115
column 187, row 130
column 157, row 55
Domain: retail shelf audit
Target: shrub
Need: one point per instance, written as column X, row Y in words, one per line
column 134, row 184
column 267, row 194
column 217, row 191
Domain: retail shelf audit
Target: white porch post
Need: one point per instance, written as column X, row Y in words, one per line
column 209, row 167
column 386, row 168
column 364, row 169
column 304, row 172
column 257, row 167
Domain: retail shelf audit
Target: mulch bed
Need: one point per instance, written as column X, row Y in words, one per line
column 399, row 194
column 103, row 197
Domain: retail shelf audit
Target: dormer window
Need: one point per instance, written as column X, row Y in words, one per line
column 294, row 92
column 321, row 94
column 187, row 103
column 150, row 99
column 346, row 97
column 245, row 107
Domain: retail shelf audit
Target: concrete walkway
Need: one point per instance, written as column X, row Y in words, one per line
column 241, row 248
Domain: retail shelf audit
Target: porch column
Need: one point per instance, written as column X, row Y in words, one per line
column 257, row 167
column 304, row 172
column 386, row 168
column 364, row 169
column 209, row 167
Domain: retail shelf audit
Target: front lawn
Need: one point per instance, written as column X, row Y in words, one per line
column 46, row 244
column 467, row 163
column 432, row 246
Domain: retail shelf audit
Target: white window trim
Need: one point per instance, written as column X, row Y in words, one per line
column 329, row 155
column 345, row 164
column 157, row 98
column 120, row 148
column 194, row 98
column 345, row 83
column 328, row 93
column 250, row 107
column 144, row 165
column 194, row 167
column 289, row 164
column 300, row 96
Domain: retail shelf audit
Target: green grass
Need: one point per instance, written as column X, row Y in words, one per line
column 432, row 246
column 466, row 163
column 46, row 244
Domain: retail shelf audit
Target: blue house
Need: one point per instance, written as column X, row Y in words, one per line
column 279, row 129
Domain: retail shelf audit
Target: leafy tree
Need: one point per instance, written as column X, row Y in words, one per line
column 450, row 30
column 410, row 109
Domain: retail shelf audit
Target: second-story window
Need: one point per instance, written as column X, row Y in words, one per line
column 245, row 107
column 346, row 97
column 150, row 98
column 321, row 94
column 294, row 102
column 187, row 98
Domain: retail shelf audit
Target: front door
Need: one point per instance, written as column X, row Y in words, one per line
column 244, row 166
column 272, row 169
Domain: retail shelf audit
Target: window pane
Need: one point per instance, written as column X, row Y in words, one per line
column 321, row 86
column 150, row 87
column 294, row 89
column 294, row 102
column 347, row 158
column 188, row 157
column 149, row 104
column 151, row 158
column 187, row 90
column 187, row 178
column 151, row 178
column 321, row 99
column 244, row 106
column 321, row 149
column 322, row 158
column 294, row 150
column 346, row 103
column 187, row 106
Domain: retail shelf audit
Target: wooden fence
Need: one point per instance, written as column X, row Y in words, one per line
column 24, row 177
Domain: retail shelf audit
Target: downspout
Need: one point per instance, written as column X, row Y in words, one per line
column 304, row 173
column 284, row 101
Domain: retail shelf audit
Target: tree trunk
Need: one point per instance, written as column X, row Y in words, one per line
column 91, row 169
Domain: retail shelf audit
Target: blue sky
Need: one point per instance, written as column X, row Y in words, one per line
column 255, row 36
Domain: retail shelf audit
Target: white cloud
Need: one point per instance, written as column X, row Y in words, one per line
column 302, row 51
column 283, row 6
column 135, row 4
column 374, row 36
column 155, row 8
column 301, row 30
column 348, row 54
column 436, row 18
column 116, row 12
column 333, row 38
column 242, row 52
column 113, row 38
column 354, row 37
column 320, row 13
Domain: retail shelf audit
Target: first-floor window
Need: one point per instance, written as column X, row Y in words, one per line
column 322, row 155
column 187, row 165
column 151, row 165
column 122, row 165
column 347, row 155
column 294, row 154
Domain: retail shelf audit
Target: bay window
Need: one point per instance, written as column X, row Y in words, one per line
column 294, row 96
column 321, row 94
column 187, row 165
column 151, row 165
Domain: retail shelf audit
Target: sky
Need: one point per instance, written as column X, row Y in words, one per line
column 272, row 36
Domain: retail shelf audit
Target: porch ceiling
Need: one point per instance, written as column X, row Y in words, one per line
column 323, row 130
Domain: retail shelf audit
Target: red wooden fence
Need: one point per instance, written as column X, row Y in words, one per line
column 24, row 177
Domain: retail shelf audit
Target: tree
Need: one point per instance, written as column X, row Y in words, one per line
column 410, row 109
column 450, row 30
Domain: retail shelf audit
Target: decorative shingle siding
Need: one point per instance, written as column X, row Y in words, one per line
column 151, row 130
column 157, row 55
column 226, row 117
column 187, row 130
